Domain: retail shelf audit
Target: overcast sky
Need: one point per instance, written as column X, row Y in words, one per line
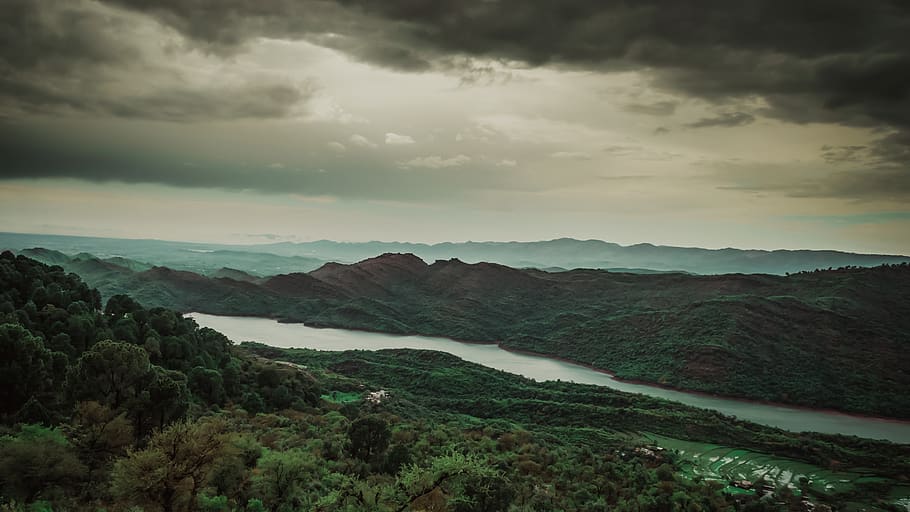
column 755, row 123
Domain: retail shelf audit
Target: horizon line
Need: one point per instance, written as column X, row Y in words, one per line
column 265, row 244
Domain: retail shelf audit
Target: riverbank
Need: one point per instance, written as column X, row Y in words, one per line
column 543, row 367
column 707, row 394
column 605, row 371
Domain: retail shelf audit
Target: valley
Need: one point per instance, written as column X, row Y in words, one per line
column 832, row 339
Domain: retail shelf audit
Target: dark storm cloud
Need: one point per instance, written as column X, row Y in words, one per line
column 820, row 60
column 39, row 35
column 31, row 152
column 178, row 104
column 728, row 119
column 831, row 49
column 251, row 101
column 224, row 27
column 75, row 57
column 659, row 108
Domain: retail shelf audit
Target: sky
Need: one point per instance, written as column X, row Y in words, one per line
column 753, row 124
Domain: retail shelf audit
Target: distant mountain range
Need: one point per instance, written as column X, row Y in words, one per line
column 833, row 339
column 144, row 254
column 551, row 255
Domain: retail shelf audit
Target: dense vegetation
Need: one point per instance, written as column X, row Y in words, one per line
column 834, row 338
column 126, row 407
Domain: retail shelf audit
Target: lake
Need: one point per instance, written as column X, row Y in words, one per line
column 271, row 332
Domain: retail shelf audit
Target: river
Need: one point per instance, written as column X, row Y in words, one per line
column 271, row 332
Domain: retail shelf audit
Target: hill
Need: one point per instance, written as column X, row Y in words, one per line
column 571, row 253
column 143, row 254
column 835, row 339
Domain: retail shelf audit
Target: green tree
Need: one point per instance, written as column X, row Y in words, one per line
column 281, row 474
column 457, row 482
column 38, row 463
column 231, row 475
column 368, row 437
column 174, row 468
column 26, row 368
column 120, row 305
column 207, row 384
column 100, row 434
column 165, row 399
column 111, row 372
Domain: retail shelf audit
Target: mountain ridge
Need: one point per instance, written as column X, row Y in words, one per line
column 286, row 257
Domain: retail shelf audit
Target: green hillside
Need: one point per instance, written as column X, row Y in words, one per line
column 126, row 407
column 835, row 338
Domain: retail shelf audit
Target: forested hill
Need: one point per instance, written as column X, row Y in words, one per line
column 834, row 338
column 127, row 408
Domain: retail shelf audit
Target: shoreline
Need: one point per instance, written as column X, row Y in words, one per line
column 609, row 373
column 707, row 394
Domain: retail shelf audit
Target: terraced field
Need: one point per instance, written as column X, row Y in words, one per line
column 727, row 464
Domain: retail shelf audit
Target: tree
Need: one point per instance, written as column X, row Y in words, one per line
column 231, row 475
column 368, row 437
column 163, row 401
column 26, row 368
column 100, row 434
column 207, row 385
column 280, row 476
column 175, row 466
column 38, row 463
column 111, row 372
column 120, row 305
column 456, row 482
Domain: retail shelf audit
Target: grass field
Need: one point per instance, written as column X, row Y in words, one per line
column 341, row 397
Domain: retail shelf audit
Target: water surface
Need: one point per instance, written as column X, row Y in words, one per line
column 541, row 368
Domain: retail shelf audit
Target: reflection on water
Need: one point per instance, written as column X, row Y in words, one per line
column 539, row 368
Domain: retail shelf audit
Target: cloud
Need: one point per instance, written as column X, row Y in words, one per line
column 659, row 108
column 102, row 158
column 886, row 180
column 322, row 108
column 571, row 155
column 850, row 66
column 363, row 142
column 337, row 146
column 248, row 101
column 845, row 154
column 436, row 162
column 394, row 139
column 638, row 152
column 136, row 153
column 725, row 119
column 856, row 54
column 506, row 163
column 81, row 57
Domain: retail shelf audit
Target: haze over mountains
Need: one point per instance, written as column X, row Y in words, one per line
column 551, row 255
